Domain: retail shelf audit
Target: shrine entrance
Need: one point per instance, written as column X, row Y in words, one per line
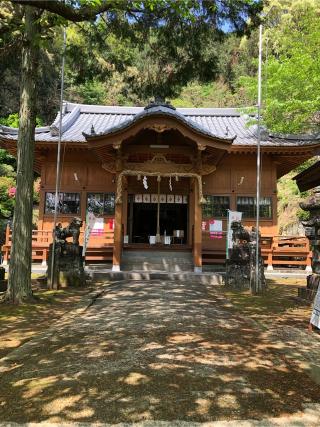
column 157, row 161
column 142, row 222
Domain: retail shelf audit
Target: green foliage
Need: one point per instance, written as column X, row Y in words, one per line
column 7, row 170
column 215, row 94
column 292, row 69
column 6, row 202
column 289, row 197
column 12, row 120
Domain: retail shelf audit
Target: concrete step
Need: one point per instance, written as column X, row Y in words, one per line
column 216, row 279
column 165, row 261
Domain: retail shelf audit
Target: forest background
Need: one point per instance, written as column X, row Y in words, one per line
column 114, row 62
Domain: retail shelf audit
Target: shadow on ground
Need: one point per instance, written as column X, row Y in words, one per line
column 155, row 350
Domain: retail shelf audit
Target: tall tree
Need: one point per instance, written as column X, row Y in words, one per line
column 164, row 15
column 19, row 283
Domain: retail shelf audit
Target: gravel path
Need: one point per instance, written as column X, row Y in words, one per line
column 156, row 350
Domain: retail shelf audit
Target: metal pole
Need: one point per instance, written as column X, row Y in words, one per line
column 58, row 159
column 257, row 281
column 158, row 239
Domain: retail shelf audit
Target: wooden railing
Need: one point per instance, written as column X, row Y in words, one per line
column 288, row 250
column 276, row 250
column 100, row 247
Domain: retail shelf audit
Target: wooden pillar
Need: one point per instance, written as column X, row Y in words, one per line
column 309, row 259
column 197, row 240
column 125, row 208
column 117, row 245
column 44, row 257
column 269, row 260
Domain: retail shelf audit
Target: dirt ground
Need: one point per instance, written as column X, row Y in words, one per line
column 278, row 305
column 18, row 324
column 162, row 350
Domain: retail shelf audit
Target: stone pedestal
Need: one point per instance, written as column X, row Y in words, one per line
column 308, row 293
column 68, row 266
column 312, row 230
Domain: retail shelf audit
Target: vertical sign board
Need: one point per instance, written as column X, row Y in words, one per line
column 232, row 216
column 315, row 316
column 215, row 229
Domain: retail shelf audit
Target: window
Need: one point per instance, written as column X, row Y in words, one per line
column 68, row 203
column 215, row 206
column 247, row 205
column 101, row 203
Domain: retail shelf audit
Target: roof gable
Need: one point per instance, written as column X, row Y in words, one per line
column 227, row 124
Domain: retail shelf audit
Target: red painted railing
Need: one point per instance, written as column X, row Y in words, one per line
column 100, row 247
column 276, row 250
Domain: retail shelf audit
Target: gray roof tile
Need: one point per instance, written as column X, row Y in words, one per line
column 226, row 123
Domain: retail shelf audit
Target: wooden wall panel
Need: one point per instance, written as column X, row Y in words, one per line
column 73, row 175
column 218, row 182
column 237, row 174
column 100, row 179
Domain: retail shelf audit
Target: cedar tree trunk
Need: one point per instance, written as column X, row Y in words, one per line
column 19, row 283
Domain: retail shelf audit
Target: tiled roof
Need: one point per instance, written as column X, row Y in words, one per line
column 224, row 123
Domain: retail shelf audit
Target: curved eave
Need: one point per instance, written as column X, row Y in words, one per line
column 10, row 145
column 149, row 120
column 312, row 147
column 39, row 143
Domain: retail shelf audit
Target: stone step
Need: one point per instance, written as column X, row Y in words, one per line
column 176, row 268
column 166, row 261
column 216, row 279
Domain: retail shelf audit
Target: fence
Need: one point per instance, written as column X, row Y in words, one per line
column 100, row 247
column 285, row 251
column 289, row 251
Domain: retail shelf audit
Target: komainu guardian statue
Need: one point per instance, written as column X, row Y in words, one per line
column 241, row 263
column 67, row 262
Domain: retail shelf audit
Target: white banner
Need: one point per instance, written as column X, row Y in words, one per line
column 315, row 316
column 90, row 221
column 232, row 216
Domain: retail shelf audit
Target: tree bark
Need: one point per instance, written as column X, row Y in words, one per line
column 19, row 283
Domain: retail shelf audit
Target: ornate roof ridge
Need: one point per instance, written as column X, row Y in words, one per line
column 160, row 110
column 120, row 109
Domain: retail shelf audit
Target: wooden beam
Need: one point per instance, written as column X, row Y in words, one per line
column 172, row 149
column 117, row 249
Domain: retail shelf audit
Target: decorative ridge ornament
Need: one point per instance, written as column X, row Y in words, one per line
column 159, row 101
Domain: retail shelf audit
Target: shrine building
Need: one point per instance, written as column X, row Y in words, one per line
column 158, row 177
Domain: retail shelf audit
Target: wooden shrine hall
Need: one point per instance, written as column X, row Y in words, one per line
column 158, row 177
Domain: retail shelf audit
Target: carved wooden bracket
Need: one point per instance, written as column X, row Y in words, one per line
column 116, row 145
column 201, row 147
column 109, row 167
column 159, row 128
